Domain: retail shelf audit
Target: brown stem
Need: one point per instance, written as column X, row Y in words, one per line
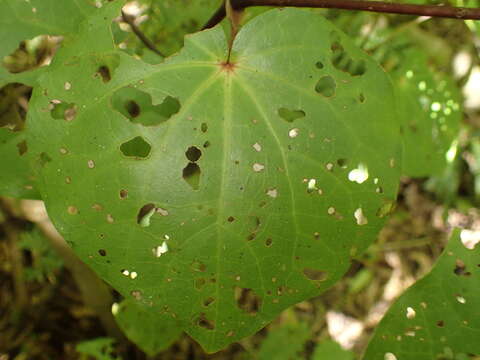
column 146, row 41
column 364, row 5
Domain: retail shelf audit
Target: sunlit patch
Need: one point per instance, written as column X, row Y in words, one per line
column 451, row 152
column 470, row 238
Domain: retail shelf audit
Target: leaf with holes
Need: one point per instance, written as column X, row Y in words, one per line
column 218, row 193
column 436, row 318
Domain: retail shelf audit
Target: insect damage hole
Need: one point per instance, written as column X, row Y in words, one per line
column 144, row 214
column 193, row 153
column 62, row 111
column 410, row 313
column 138, row 106
column 343, row 62
column 191, row 175
column 247, row 300
column 360, row 218
column 136, row 148
column 22, row 147
column 326, row 86
column 158, row 251
column 315, row 274
column 205, row 323
column 290, row 115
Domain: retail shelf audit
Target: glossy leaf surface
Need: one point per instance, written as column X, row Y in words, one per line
column 216, row 193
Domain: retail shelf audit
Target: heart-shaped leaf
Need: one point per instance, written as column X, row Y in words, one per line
column 219, row 187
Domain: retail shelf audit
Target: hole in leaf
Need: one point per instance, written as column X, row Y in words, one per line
column 247, row 300
column 315, row 275
column 107, row 66
column 268, row 242
column 389, row 356
column 358, row 175
column 461, row 268
column 160, row 250
column 137, row 106
column 386, row 209
column 231, row 219
column 293, row 133
column 123, row 194
column 132, row 108
column 360, row 217
column 102, row 252
column 193, row 153
column 198, row 266
column 258, row 167
column 204, row 127
column 440, row 323
column 326, row 86
column 13, row 108
column 137, row 148
column 144, row 214
column 44, row 159
column 342, row 163
column 31, row 53
column 206, row 144
column 104, row 72
column 205, row 323
column 63, row 111
column 290, row 115
column 273, row 192
column 22, row 147
column 343, row 62
column 319, row 65
column 410, row 313
column 191, row 174
column 208, row 301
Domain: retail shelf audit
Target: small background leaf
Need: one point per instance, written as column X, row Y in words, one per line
column 436, row 318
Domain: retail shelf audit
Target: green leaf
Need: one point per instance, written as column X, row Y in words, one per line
column 44, row 258
column 328, row 349
column 253, row 212
column 436, row 318
column 284, row 342
column 429, row 105
column 152, row 334
column 24, row 20
column 100, row 348
column 170, row 20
